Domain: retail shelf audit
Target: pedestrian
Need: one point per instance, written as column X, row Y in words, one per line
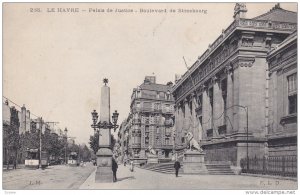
column 114, row 169
column 177, row 167
column 131, row 166
column 15, row 163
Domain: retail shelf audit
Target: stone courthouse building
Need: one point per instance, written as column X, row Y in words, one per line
column 239, row 98
column 150, row 122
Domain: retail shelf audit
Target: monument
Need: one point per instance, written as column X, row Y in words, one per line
column 104, row 172
column 152, row 158
column 193, row 161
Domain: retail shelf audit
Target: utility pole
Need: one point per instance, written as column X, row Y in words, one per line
column 40, row 137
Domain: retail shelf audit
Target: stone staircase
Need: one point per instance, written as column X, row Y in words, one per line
column 219, row 169
column 168, row 168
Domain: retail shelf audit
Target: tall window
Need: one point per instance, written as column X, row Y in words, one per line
column 292, row 93
column 211, row 100
column 147, row 138
column 191, row 107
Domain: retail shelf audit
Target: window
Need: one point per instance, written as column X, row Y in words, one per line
column 292, row 83
column 293, row 104
column 157, row 106
column 147, row 138
column 146, row 128
column 167, row 107
column 167, row 141
column 138, row 93
column 200, row 101
column 157, row 129
column 182, row 139
column 292, row 93
column 138, row 104
column 191, row 107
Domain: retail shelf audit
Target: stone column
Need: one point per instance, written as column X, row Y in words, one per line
column 230, row 102
column 187, row 115
column 195, row 124
column 236, row 110
column 104, row 155
column 218, row 106
column 206, row 110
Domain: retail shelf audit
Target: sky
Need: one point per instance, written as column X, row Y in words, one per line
column 54, row 62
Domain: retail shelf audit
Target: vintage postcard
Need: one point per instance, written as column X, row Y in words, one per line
column 150, row 96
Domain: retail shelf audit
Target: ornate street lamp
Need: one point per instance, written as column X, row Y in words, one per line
column 104, row 125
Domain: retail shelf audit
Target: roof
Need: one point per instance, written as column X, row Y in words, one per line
column 155, row 87
column 278, row 14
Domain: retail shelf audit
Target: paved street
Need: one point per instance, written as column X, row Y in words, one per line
column 144, row 179
column 54, row 177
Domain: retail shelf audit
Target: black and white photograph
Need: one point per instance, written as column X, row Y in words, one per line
column 149, row 96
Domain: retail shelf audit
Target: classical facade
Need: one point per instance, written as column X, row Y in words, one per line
column 150, row 122
column 223, row 97
column 282, row 116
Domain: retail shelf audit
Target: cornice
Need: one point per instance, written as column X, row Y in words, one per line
column 241, row 24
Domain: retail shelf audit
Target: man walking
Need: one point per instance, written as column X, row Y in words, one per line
column 114, row 169
column 177, row 167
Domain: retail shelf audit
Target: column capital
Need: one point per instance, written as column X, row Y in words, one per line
column 214, row 79
column 228, row 69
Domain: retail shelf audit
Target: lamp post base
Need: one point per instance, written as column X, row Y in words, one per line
column 104, row 172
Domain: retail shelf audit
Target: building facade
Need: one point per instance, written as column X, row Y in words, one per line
column 150, row 122
column 282, row 117
column 223, row 97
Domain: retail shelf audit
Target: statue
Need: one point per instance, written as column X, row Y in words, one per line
column 151, row 150
column 239, row 10
column 193, row 144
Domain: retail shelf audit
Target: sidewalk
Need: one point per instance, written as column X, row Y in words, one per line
column 144, row 179
column 19, row 166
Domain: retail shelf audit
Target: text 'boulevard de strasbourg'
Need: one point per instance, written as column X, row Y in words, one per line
column 117, row 10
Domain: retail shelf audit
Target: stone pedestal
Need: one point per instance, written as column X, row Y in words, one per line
column 152, row 159
column 104, row 172
column 193, row 163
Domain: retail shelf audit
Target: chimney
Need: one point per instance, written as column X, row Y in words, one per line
column 150, row 79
